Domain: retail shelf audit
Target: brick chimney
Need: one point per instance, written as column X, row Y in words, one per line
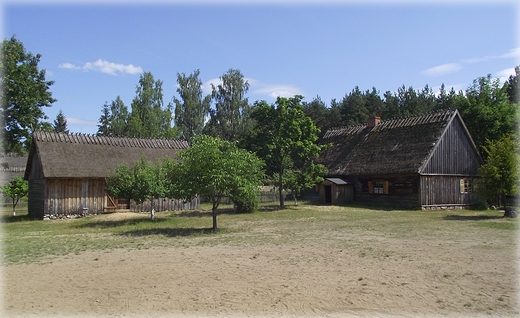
column 373, row 121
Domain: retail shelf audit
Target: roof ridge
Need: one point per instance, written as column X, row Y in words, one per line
column 80, row 138
column 395, row 122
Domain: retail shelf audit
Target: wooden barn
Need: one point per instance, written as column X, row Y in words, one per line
column 428, row 161
column 66, row 172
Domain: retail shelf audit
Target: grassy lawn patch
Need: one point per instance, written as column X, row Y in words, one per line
column 341, row 227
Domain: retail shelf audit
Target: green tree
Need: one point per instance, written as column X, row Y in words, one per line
column 306, row 177
column 119, row 117
column 60, row 123
column 285, row 138
column 449, row 100
column 193, row 108
column 140, row 182
column 513, row 89
column 500, row 173
column 16, row 189
column 120, row 183
column 114, row 119
column 230, row 118
column 487, row 111
column 104, row 121
column 374, row 103
column 214, row 168
column 23, row 93
column 353, row 109
column 324, row 118
column 44, row 126
column 357, row 106
column 148, row 119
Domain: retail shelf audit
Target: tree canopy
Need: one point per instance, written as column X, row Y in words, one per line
column 488, row 112
column 140, row 182
column 500, row 173
column 229, row 120
column 114, row 119
column 23, row 94
column 192, row 108
column 60, row 123
column 16, row 189
column 285, row 138
column 148, row 118
column 214, row 168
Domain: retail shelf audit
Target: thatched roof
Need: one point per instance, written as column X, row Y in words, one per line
column 89, row 156
column 395, row 146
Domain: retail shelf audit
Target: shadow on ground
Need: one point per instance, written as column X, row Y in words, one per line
column 169, row 232
column 472, row 217
column 116, row 223
column 16, row 218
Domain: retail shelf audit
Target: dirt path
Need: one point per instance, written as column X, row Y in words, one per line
column 416, row 280
column 354, row 273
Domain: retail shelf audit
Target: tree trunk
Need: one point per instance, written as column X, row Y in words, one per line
column 214, row 214
column 280, row 188
column 15, row 202
column 152, row 212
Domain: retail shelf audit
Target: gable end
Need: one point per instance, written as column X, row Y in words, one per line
column 454, row 153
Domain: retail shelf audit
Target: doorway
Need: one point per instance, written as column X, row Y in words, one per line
column 328, row 194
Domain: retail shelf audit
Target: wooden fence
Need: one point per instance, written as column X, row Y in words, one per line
column 165, row 204
column 271, row 197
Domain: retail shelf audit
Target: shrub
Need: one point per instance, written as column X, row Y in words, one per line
column 245, row 201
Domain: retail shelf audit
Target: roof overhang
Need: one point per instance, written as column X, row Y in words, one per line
column 338, row 181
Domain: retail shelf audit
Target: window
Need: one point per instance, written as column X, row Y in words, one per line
column 378, row 187
column 466, row 186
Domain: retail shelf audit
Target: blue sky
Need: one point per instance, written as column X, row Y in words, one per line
column 96, row 50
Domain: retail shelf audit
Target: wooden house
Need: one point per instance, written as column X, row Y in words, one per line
column 67, row 172
column 428, row 161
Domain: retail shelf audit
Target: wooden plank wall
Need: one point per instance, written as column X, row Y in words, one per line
column 35, row 204
column 71, row 196
column 454, row 154
column 340, row 194
column 406, row 200
column 445, row 191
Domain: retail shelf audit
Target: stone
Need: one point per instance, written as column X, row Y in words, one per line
column 510, row 213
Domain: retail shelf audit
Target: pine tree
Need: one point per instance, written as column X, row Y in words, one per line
column 60, row 123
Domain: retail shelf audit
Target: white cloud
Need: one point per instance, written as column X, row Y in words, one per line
column 105, row 67
column 511, row 54
column 206, row 86
column 449, row 68
column 503, row 75
column 80, row 122
column 442, row 69
column 69, row 66
column 277, row 90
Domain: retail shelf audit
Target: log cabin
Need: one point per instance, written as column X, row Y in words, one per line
column 66, row 172
column 428, row 161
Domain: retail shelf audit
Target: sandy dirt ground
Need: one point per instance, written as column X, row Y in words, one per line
column 415, row 279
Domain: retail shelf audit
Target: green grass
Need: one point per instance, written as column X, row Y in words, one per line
column 342, row 227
